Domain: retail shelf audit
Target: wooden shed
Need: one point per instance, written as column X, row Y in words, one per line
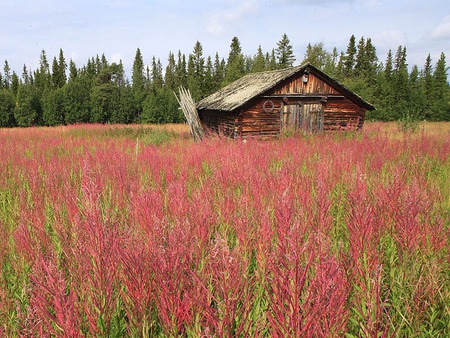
column 267, row 103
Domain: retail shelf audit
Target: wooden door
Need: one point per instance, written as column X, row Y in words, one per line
column 303, row 116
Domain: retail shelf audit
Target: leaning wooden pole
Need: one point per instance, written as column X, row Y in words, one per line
column 187, row 105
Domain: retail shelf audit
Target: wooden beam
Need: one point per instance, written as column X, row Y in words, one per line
column 303, row 96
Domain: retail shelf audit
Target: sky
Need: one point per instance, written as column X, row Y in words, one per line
column 86, row 28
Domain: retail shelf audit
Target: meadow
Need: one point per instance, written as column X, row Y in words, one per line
column 119, row 231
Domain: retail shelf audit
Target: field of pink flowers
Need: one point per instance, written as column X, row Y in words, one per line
column 111, row 231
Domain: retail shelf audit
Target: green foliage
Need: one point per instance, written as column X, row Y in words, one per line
column 161, row 106
column 28, row 111
column 6, row 108
column 53, row 108
column 284, row 53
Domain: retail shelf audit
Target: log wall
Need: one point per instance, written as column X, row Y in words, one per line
column 221, row 123
column 260, row 123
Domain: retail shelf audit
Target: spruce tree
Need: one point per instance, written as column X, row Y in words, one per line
column 360, row 58
column 170, row 73
column 259, row 62
column 218, row 72
column 349, row 59
column 6, row 76
column 441, row 91
column 196, row 72
column 138, row 82
column 285, row 55
column 209, row 85
column 73, row 71
column 156, row 74
column 181, row 71
column 417, row 99
column 235, row 63
column 400, row 82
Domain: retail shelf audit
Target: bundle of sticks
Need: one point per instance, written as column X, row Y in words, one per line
column 187, row 105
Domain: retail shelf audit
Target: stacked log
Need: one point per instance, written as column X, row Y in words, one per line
column 189, row 109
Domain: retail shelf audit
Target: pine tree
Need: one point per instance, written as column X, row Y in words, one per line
column 209, row 85
column 7, row 76
column 400, row 84
column 235, row 63
column 417, row 99
column 428, row 84
column 156, row 74
column 259, row 62
column 73, row 71
column 138, row 83
column 441, row 91
column 349, row 59
column 14, row 83
column 181, row 71
column 170, row 73
column 360, row 59
column 196, row 72
column 59, row 68
column 218, row 72
column 285, row 55
column 42, row 75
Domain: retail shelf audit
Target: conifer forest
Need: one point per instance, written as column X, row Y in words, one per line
column 60, row 92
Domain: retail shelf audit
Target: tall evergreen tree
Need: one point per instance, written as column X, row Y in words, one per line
column 209, row 85
column 170, row 73
column 349, row 59
column 400, row 82
column 7, row 76
column 441, row 91
column 218, row 72
column 59, row 68
column 196, row 71
column 259, row 62
column 235, row 64
column 285, row 55
column 157, row 74
column 428, row 84
column 42, row 75
column 181, row 71
column 417, row 99
column 138, row 82
column 360, row 58
column 73, row 71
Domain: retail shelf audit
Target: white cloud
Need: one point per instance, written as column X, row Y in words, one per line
column 389, row 38
column 442, row 30
column 219, row 21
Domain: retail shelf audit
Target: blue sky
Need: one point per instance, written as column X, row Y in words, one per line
column 85, row 28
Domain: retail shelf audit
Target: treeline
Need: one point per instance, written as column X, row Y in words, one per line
column 100, row 92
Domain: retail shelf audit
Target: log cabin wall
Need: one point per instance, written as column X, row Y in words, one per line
column 259, row 120
column 343, row 115
column 221, row 123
